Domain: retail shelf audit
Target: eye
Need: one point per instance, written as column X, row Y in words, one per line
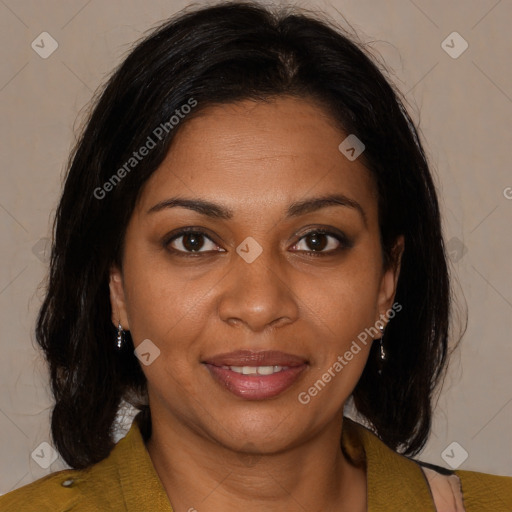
column 194, row 242
column 320, row 242
column 189, row 241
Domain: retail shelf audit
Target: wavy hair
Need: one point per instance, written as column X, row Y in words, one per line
column 221, row 54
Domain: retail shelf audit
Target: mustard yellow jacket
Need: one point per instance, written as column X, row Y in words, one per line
column 127, row 481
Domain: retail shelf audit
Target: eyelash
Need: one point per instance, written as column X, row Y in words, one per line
column 345, row 242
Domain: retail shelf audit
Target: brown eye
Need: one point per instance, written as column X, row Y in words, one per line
column 321, row 242
column 190, row 242
column 316, row 241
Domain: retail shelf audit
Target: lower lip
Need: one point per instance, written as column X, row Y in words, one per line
column 256, row 387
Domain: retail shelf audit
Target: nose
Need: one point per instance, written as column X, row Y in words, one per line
column 258, row 294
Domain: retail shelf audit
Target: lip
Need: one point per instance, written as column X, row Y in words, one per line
column 256, row 387
column 253, row 358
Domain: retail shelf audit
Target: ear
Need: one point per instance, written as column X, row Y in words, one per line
column 389, row 279
column 118, row 299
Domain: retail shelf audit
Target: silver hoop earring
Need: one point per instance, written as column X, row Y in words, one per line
column 120, row 336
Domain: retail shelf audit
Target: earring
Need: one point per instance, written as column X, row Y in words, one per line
column 120, row 336
column 382, row 351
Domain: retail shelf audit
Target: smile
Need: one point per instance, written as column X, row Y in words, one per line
column 255, row 370
column 255, row 382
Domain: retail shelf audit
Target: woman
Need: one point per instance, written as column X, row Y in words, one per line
column 248, row 239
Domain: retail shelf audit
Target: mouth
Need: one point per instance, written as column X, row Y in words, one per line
column 256, row 375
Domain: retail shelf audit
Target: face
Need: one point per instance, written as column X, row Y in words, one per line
column 264, row 274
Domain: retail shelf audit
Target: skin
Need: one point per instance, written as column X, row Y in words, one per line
column 255, row 158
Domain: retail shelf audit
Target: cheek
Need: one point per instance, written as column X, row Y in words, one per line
column 165, row 303
column 340, row 355
column 343, row 301
column 166, row 308
column 341, row 308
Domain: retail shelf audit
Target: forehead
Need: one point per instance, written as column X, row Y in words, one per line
column 261, row 154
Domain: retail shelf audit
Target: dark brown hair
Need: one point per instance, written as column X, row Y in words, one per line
column 221, row 54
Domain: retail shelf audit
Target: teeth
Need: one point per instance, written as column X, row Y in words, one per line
column 256, row 370
column 266, row 370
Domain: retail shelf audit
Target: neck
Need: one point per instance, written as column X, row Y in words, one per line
column 201, row 474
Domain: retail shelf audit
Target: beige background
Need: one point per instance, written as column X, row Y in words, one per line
column 465, row 108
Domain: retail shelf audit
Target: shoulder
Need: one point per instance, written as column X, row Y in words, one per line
column 124, row 480
column 56, row 492
column 468, row 491
column 94, row 488
column 80, row 490
column 425, row 485
column 483, row 491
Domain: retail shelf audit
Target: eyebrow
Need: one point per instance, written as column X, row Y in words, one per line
column 295, row 209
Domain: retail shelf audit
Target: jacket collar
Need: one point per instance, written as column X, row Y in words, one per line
column 390, row 476
column 137, row 475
